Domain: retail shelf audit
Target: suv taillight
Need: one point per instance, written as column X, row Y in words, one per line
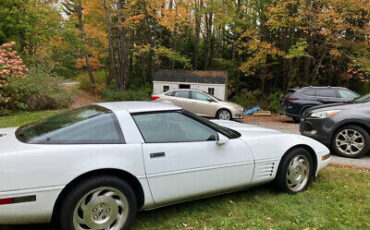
column 291, row 99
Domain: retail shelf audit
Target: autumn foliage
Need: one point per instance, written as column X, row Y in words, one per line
column 11, row 66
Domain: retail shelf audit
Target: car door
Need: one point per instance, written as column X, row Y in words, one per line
column 182, row 99
column 183, row 160
column 327, row 96
column 203, row 105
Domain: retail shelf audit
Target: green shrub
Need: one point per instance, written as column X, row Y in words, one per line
column 37, row 91
column 85, row 83
column 274, row 100
column 140, row 94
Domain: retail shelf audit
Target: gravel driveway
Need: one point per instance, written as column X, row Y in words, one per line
column 286, row 125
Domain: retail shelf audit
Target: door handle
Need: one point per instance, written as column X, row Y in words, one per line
column 160, row 154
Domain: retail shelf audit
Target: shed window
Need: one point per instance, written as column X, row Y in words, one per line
column 184, row 86
column 166, row 88
column 211, row 91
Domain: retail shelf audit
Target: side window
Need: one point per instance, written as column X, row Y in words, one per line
column 309, row 92
column 343, row 93
column 211, row 91
column 170, row 94
column 326, row 93
column 200, row 96
column 182, row 94
column 172, row 127
column 166, row 88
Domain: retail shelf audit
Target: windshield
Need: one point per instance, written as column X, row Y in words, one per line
column 362, row 99
column 86, row 125
column 230, row 133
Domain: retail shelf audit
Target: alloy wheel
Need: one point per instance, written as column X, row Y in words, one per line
column 103, row 208
column 298, row 173
column 224, row 115
column 349, row 142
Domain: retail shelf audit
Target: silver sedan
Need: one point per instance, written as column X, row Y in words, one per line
column 203, row 104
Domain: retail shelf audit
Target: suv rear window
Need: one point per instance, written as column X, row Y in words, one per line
column 326, row 92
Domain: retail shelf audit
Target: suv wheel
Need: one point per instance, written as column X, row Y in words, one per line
column 351, row 141
column 224, row 114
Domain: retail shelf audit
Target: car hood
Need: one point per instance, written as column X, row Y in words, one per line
column 246, row 129
column 229, row 104
column 336, row 106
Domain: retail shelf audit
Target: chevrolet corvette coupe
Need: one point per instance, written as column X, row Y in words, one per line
column 96, row 166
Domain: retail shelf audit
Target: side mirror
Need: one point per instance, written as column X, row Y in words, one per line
column 222, row 139
column 210, row 100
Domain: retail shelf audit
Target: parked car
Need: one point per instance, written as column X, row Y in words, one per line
column 201, row 103
column 296, row 101
column 345, row 128
column 94, row 167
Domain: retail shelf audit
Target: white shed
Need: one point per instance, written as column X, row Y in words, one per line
column 211, row 82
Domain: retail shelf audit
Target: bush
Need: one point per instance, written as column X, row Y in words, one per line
column 249, row 99
column 100, row 82
column 37, row 91
column 140, row 94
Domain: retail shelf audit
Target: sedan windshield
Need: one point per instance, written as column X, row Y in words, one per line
column 86, row 125
column 363, row 99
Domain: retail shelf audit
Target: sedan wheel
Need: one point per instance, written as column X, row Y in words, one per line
column 103, row 208
column 351, row 141
column 224, row 115
column 295, row 171
column 100, row 203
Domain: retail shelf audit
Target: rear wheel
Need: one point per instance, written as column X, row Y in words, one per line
column 224, row 114
column 351, row 141
column 104, row 202
column 295, row 171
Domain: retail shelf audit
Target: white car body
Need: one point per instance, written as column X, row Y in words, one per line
column 189, row 170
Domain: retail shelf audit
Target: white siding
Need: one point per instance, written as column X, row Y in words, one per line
column 220, row 89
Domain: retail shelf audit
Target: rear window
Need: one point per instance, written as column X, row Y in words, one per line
column 326, row 92
column 86, row 125
column 182, row 94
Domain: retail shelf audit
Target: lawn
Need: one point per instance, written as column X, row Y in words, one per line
column 22, row 118
column 338, row 199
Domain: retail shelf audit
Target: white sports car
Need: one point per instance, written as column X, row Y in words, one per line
column 96, row 166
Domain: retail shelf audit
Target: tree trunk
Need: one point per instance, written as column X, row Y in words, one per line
column 83, row 36
column 109, row 30
column 198, row 5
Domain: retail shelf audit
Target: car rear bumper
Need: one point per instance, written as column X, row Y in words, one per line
column 39, row 209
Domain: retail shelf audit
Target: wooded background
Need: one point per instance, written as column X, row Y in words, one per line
column 264, row 45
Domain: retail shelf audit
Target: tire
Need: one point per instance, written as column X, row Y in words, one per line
column 224, row 114
column 80, row 210
column 294, row 179
column 351, row 141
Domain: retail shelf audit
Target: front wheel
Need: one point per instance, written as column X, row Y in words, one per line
column 103, row 202
column 224, row 114
column 351, row 141
column 295, row 171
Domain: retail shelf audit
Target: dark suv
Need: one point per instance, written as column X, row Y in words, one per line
column 296, row 101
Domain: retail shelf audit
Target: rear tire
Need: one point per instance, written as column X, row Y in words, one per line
column 224, row 114
column 295, row 171
column 103, row 202
column 351, row 141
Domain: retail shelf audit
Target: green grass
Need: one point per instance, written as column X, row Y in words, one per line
column 22, row 118
column 337, row 199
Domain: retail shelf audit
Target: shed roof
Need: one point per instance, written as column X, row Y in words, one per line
column 212, row 77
